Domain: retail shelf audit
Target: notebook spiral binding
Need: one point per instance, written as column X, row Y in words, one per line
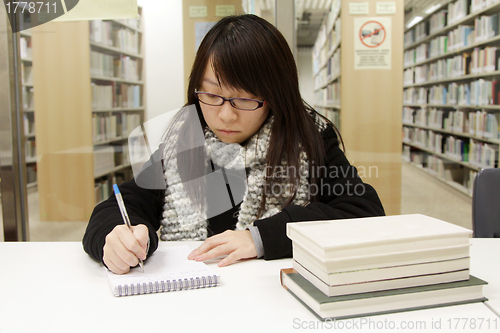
column 168, row 285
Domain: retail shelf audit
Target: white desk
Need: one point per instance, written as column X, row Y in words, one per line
column 485, row 264
column 56, row 287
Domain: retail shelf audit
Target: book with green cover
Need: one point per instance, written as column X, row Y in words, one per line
column 382, row 302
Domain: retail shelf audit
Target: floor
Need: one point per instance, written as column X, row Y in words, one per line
column 420, row 194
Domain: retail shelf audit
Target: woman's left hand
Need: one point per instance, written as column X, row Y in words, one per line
column 235, row 244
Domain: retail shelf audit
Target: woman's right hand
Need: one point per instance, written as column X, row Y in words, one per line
column 124, row 246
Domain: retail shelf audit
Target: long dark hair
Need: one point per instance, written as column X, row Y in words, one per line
column 248, row 53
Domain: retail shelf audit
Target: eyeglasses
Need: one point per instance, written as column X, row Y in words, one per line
column 247, row 104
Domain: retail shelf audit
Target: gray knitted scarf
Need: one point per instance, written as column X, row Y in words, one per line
column 184, row 221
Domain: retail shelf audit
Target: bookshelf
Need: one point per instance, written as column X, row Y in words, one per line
column 90, row 97
column 367, row 112
column 327, row 65
column 451, row 111
column 28, row 106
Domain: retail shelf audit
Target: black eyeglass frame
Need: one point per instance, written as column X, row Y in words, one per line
column 230, row 100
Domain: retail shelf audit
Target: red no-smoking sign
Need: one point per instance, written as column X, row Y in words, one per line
column 372, row 34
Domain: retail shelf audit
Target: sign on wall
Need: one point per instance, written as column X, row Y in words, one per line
column 372, row 44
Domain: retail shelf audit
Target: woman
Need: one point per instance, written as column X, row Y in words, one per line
column 244, row 88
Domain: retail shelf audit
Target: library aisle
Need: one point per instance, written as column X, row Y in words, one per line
column 421, row 193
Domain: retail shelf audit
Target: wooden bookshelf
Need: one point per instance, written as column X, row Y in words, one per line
column 451, row 115
column 363, row 103
column 89, row 72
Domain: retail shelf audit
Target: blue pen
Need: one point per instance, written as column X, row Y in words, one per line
column 126, row 219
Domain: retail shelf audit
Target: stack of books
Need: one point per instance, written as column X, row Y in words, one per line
column 368, row 266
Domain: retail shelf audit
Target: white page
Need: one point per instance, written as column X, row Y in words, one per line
column 167, row 263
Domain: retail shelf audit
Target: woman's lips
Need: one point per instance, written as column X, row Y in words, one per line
column 228, row 132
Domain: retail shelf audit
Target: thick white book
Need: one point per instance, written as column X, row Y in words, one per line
column 384, row 272
column 168, row 269
column 376, row 235
column 388, row 284
column 337, row 265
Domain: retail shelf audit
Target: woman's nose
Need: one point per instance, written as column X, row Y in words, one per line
column 227, row 113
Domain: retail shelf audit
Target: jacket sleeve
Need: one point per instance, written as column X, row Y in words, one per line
column 342, row 194
column 144, row 206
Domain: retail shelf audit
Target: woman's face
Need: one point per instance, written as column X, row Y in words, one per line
column 231, row 125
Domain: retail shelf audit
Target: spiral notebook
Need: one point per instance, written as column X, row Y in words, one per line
column 168, row 269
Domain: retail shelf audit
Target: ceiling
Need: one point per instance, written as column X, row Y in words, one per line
column 310, row 14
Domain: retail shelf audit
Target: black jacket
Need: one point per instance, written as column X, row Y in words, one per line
column 342, row 195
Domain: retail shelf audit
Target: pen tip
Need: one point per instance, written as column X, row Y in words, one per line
column 115, row 188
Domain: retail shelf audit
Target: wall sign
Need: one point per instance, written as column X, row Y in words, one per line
column 372, row 44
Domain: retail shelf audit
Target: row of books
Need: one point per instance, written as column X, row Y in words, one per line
column 25, row 50
column 31, row 176
column 478, row 92
column 485, row 60
column 458, row 38
column 332, row 114
column 438, row 20
column 485, row 26
column 321, row 52
column 480, row 60
column 28, row 100
column 104, row 159
column 106, row 65
column 483, row 154
column 104, row 187
column 457, row 149
column 30, row 149
column 108, row 157
column 102, row 64
column 117, row 125
column 102, row 96
column 115, row 95
column 328, row 95
column 477, row 5
column 102, row 190
column 331, row 70
column 26, row 73
column 110, row 34
column 369, row 266
column 478, row 123
column 325, row 40
column 442, row 168
column 134, row 23
column 480, row 154
column 29, row 123
column 458, row 10
column 415, row 34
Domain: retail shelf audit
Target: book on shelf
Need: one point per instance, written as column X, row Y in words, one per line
column 26, row 74
column 102, row 65
column 101, row 32
column 381, row 302
column 168, row 269
column 28, row 100
column 104, row 159
column 30, row 149
column 457, row 10
column 109, row 34
column 376, row 235
column 29, row 124
column 25, row 49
